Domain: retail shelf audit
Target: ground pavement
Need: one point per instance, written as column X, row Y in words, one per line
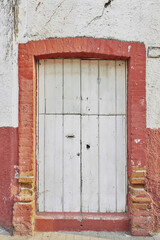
column 76, row 236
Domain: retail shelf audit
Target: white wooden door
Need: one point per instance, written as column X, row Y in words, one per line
column 81, row 135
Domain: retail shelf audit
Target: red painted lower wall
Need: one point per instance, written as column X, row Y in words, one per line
column 153, row 174
column 8, row 183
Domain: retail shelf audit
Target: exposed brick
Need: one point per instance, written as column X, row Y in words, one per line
column 140, row 232
column 140, row 206
column 23, row 218
column 143, row 222
column 137, row 180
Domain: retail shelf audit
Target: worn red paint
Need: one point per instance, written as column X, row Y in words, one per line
column 8, row 183
column 133, row 53
column 82, row 222
column 153, row 174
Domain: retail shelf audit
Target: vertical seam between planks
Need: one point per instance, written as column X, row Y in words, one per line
column 63, row 136
column 116, row 133
column 81, row 137
column 126, row 176
column 98, row 139
column 54, row 118
column 44, row 140
column 37, row 157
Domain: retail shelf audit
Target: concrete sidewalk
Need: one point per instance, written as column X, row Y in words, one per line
column 76, row 236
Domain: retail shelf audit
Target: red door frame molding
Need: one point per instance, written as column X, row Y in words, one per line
column 25, row 217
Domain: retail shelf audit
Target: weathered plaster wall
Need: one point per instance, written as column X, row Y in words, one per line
column 25, row 20
column 8, row 115
column 39, row 19
column 128, row 21
column 7, row 106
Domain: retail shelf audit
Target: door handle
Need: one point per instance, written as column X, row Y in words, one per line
column 70, row 136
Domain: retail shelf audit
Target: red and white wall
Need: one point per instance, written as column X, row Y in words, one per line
column 34, row 20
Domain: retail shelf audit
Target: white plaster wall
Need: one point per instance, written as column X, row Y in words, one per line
column 127, row 20
column 7, row 106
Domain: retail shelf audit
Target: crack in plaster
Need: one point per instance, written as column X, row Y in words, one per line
column 38, row 5
column 69, row 13
column 99, row 16
column 15, row 9
column 54, row 12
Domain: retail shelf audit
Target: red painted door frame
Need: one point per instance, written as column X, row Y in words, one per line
column 25, row 203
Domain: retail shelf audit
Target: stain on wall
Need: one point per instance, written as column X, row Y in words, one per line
column 8, row 172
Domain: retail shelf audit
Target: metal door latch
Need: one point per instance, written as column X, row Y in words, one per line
column 70, row 136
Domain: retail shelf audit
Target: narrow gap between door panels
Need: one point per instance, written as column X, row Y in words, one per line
column 81, row 182
column 63, row 136
column 79, row 114
column 37, row 135
column 44, row 138
column 126, row 134
column 116, row 132
column 98, row 140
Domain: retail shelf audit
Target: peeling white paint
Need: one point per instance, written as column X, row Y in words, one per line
column 137, row 140
column 139, row 163
column 129, row 48
column 137, row 189
column 40, row 19
column 140, row 171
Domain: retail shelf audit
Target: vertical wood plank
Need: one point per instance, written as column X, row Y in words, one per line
column 41, row 164
column 89, row 81
column 53, row 85
column 121, row 163
column 89, row 164
column 71, row 163
column 121, row 87
column 71, row 86
column 41, row 87
column 53, row 163
column 107, row 87
column 107, row 164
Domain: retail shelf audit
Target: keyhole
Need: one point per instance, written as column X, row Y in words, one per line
column 87, row 146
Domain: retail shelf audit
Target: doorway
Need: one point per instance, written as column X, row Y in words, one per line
column 81, row 135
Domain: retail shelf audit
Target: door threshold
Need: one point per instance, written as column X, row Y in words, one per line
column 111, row 222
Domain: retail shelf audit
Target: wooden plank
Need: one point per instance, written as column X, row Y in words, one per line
column 41, row 87
column 71, row 86
column 89, row 164
column 53, row 163
column 41, row 186
column 107, row 170
column 121, row 163
column 71, row 163
column 107, row 87
column 53, row 85
column 121, row 87
column 89, row 82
